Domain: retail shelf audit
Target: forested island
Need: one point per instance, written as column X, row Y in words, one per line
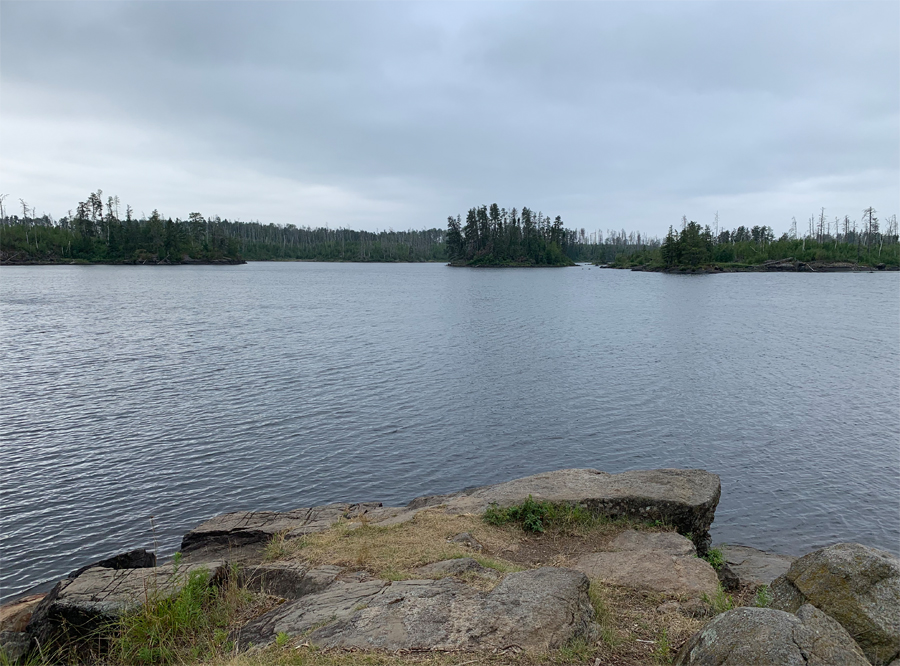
column 497, row 237
column 840, row 244
column 97, row 231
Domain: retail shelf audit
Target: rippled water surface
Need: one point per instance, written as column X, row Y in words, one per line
column 188, row 391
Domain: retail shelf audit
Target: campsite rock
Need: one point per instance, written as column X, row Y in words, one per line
column 133, row 559
column 664, row 563
column 235, row 530
column 288, row 580
column 684, row 498
column 100, row 595
column 749, row 567
column 537, row 610
column 15, row 615
column 767, row 637
column 857, row 585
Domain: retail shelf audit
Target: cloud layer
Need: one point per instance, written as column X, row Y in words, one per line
column 375, row 115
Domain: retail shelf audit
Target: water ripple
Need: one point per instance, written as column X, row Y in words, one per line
column 183, row 392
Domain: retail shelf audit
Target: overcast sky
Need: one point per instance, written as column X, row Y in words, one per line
column 376, row 115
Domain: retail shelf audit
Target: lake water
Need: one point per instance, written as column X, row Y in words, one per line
column 182, row 392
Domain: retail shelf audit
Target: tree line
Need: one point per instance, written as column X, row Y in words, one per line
column 99, row 231
column 843, row 240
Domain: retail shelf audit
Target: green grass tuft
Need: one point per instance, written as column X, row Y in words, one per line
column 189, row 626
column 538, row 517
column 763, row 596
column 715, row 557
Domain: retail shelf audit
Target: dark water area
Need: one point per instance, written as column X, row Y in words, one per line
column 183, row 392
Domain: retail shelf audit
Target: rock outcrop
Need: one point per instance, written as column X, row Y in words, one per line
column 857, row 585
column 235, row 530
column 663, row 563
column 683, row 498
column 749, row 567
column 138, row 558
column 79, row 606
column 538, row 609
column 767, row 637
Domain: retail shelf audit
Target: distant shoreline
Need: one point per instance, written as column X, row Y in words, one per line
column 191, row 262
column 786, row 266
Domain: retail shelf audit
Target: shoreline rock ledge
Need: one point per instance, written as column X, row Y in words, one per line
column 686, row 499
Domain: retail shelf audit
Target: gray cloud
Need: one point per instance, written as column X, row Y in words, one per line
column 392, row 114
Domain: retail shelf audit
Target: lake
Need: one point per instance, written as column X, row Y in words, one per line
column 181, row 392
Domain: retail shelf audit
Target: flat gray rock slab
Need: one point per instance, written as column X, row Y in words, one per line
column 752, row 567
column 533, row 610
column 236, row 530
column 651, row 571
column 663, row 542
column 100, row 595
column 767, row 637
column 659, row 562
column 683, row 498
column 857, row 585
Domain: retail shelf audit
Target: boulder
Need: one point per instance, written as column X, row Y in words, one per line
column 79, row 606
column 683, row 498
column 288, row 580
column 234, row 530
column 663, row 563
column 857, row 585
column 749, row 567
column 767, row 637
column 538, row 609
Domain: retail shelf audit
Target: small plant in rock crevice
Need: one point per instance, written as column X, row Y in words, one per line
column 715, row 557
column 720, row 602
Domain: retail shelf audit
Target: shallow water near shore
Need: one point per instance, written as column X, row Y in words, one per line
column 182, row 392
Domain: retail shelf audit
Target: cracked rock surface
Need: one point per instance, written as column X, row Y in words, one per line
column 234, row 530
column 538, row 609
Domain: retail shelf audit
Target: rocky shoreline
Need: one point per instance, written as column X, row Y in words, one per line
column 629, row 586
